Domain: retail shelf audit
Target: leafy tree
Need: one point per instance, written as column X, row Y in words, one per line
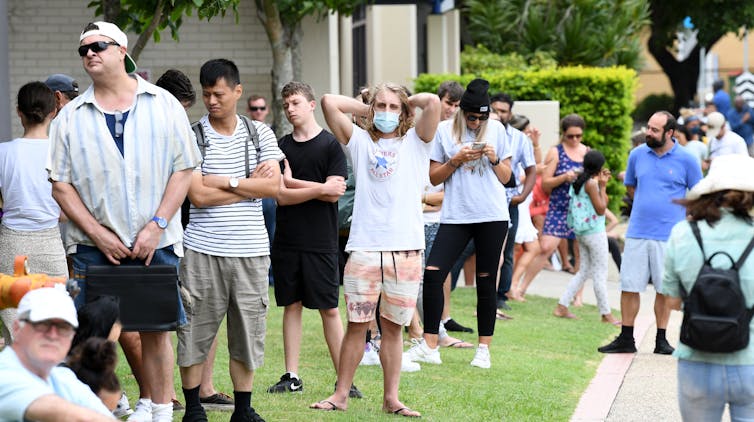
column 586, row 32
column 282, row 22
column 713, row 19
column 149, row 17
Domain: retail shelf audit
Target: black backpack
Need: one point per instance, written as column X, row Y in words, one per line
column 715, row 316
column 202, row 142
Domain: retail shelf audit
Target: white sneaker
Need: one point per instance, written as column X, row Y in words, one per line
column 162, row 412
column 371, row 356
column 481, row 358
column 420, row 352
column 408, row 366
column 123, row 409
column 142, row 411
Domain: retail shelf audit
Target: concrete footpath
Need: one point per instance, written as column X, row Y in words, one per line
column 627, row 387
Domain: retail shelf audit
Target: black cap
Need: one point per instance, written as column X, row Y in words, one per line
column 62, row 83
column 476, row 99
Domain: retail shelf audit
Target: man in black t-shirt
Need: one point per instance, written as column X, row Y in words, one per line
column 305, row 248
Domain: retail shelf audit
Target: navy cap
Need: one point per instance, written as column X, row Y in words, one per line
column 62, row 83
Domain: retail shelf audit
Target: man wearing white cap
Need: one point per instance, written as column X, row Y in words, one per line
column 721, row 139
column 121, row 159
column 33, row 387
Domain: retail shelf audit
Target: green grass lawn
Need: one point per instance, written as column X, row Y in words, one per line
column 540, row 367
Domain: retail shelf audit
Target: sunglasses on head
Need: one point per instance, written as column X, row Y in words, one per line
column 263, row 108
column 97, row 46
column 473, row 118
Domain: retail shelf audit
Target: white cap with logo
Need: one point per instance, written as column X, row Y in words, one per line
column 715, row 123
column 48, row 303
column 111, row 31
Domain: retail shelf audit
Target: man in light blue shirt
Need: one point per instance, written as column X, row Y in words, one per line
column 33, row 387
column 658, row 172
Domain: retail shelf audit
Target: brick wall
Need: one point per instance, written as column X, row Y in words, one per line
column 43, row 36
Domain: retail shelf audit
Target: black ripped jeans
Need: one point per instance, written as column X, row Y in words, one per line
column 449, row 243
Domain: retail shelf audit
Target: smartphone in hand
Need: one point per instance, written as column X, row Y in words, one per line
column 478, row 145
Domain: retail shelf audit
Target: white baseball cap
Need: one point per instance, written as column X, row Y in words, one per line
column 715, row 123
column 111, row 31
column 48, row 303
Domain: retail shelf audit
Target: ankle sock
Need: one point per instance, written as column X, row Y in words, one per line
column 242, row 399
column 293, row 375
column 192, row 397
column 627, row 332
column 660, row 335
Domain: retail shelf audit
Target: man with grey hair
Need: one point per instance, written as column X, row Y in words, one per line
column 34, row 387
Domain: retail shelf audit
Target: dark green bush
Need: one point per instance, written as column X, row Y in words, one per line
column 650, row 104
column 602, row 96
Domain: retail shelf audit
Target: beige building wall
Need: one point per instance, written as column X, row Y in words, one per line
column 444, row 42
column 392, row 44
column 730, row 53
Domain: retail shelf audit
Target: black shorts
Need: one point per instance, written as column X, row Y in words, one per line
column 309, row 277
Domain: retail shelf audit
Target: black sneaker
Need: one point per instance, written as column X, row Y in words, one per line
column 451, row 325
column 246, row 415
column 353, row 393
column 287, row 385
column 195, row 415
column 619, row 345
column 662, row 347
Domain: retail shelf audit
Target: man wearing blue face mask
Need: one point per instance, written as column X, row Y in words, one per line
column 386, row 243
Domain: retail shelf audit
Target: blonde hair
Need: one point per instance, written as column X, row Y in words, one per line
column 460, row 128
column 404, row 124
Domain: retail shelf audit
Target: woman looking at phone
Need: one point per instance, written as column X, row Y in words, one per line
column 563, row 163
column 470, row 154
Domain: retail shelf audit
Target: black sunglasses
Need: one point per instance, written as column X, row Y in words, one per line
column 263, row 108
column 473, row 118
column 96, row 47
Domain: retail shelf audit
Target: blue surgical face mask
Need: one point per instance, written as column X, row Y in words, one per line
column 385, row 121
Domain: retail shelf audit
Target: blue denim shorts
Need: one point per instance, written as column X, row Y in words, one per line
column 89, row 255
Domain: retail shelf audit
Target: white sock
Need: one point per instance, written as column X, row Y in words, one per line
column 483, row 346
column 293, row 375
column 162, row 412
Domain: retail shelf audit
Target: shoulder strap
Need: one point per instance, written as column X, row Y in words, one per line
column 251, row 130
column 698, row 237
column 201, row 141
column 745, row 254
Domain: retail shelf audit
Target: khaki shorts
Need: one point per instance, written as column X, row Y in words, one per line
column 218, row 286
column 395, row 274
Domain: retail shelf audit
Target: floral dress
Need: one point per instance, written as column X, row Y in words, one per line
column 555, row 220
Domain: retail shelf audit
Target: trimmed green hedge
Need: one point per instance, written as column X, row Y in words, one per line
column 604, row 97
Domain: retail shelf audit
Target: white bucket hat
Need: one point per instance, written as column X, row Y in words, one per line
column 727, row 172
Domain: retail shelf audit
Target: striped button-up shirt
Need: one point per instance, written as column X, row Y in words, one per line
column 122, row 192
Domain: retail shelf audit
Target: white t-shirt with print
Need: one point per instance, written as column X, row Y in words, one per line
column 473, row 194
column 390, row 177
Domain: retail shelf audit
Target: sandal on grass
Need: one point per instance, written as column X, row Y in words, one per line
column 405, row 412
column 455, row 343
column 325, row 405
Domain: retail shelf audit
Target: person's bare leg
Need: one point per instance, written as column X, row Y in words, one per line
column 576, row 256
column 241, row 376
column 629, row 308
column 547, row 245
column 391, row 354
column 130, row 342
column 530, row 251
column 158, row 361
column 292, row 336
column 662, row 312
column 415, row 328
column 563, row 252
column 332, row 327
column 446, row 295
column 207, row 388
column 351, row 352
column 469, row 271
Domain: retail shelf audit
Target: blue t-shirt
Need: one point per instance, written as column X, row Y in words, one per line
column 19, row 388
column 657, row 181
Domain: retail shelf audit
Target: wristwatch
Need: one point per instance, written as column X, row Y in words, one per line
column 496, row 162
column 161, row 222
column 233, row 182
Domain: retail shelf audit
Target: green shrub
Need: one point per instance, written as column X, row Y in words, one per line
column 480, row 59
column 650, row 104
column 602, row 96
